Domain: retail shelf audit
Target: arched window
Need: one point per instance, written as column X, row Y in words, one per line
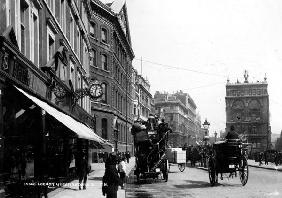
column 92, row 29
column 105, row 93
column 104, row 36
column 104, row 62
column 237, row 109
column 92, row 58
column 254, row 109
column 104, row 128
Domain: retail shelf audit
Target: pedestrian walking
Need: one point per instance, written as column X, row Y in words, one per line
column 127, row 155
column 82, row 170
column 260, row 158
column 265, row 158
column 111, row 179
column 122, row 171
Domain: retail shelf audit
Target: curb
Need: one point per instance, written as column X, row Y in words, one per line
column 268, row 168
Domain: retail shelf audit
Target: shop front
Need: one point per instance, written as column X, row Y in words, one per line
column 39, row 142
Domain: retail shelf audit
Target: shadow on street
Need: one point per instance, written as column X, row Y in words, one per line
column 194, row 184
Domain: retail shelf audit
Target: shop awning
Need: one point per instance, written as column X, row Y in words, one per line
column 77, row 127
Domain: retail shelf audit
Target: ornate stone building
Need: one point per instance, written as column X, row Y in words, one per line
column 247, row 108
column 111, row 58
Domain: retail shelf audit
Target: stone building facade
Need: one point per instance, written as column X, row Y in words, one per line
column 111, row 58
column 45, row 113
column 143, row 101
column 278, row 143
column 179, row 110
column 247, row 108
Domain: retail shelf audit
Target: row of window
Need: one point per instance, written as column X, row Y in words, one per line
column 119, row 51
column 93, row 60
column 23, row 15
column 119, row 102
column 93, row 30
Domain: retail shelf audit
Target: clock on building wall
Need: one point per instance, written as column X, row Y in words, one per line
column 96, row 90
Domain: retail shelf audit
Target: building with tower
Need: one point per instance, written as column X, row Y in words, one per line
column 247, row 108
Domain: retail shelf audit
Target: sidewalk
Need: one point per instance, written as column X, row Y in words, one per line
column 270, row 166
column 252, row 163
column 94, row 184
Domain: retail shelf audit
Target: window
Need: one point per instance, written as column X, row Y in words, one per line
column 8, row 13
column 34, row 37
column 72, row 76
column 116, row 99
column 51, row 4
column 77, row 51
column 104, row 128
column 78, row 85
column 104, row 35
column 24, row 26
column 92, row 58
column 134, row 109
column 62, row 71
column 104, row 96
column 63, row 15
column 85, row 56
column 104, row 62
column 92, row 29
column 50, row 44
column 71, row 32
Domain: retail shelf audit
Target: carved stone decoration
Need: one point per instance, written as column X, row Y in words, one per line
column 5, row 65
column 59, row 91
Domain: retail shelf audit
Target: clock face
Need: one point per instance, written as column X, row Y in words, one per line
column 96, row 90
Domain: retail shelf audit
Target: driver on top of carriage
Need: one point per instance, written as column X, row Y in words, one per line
column 232, row 134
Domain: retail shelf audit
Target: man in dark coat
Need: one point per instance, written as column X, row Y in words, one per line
column 111, row 178
column 82, row 170
column 232, row 134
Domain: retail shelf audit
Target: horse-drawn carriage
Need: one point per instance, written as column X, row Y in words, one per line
column 228, row 157
column 150, row 141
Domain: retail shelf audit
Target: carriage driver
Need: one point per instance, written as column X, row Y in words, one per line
column 232, row 134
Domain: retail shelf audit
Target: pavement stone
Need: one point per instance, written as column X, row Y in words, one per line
column 94, row 184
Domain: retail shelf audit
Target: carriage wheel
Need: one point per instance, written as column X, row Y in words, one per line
column 181, row 167
column 165, row 170
column 244, row 171
column 213, row 176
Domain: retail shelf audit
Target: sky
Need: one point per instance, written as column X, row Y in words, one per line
column 195, row 45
